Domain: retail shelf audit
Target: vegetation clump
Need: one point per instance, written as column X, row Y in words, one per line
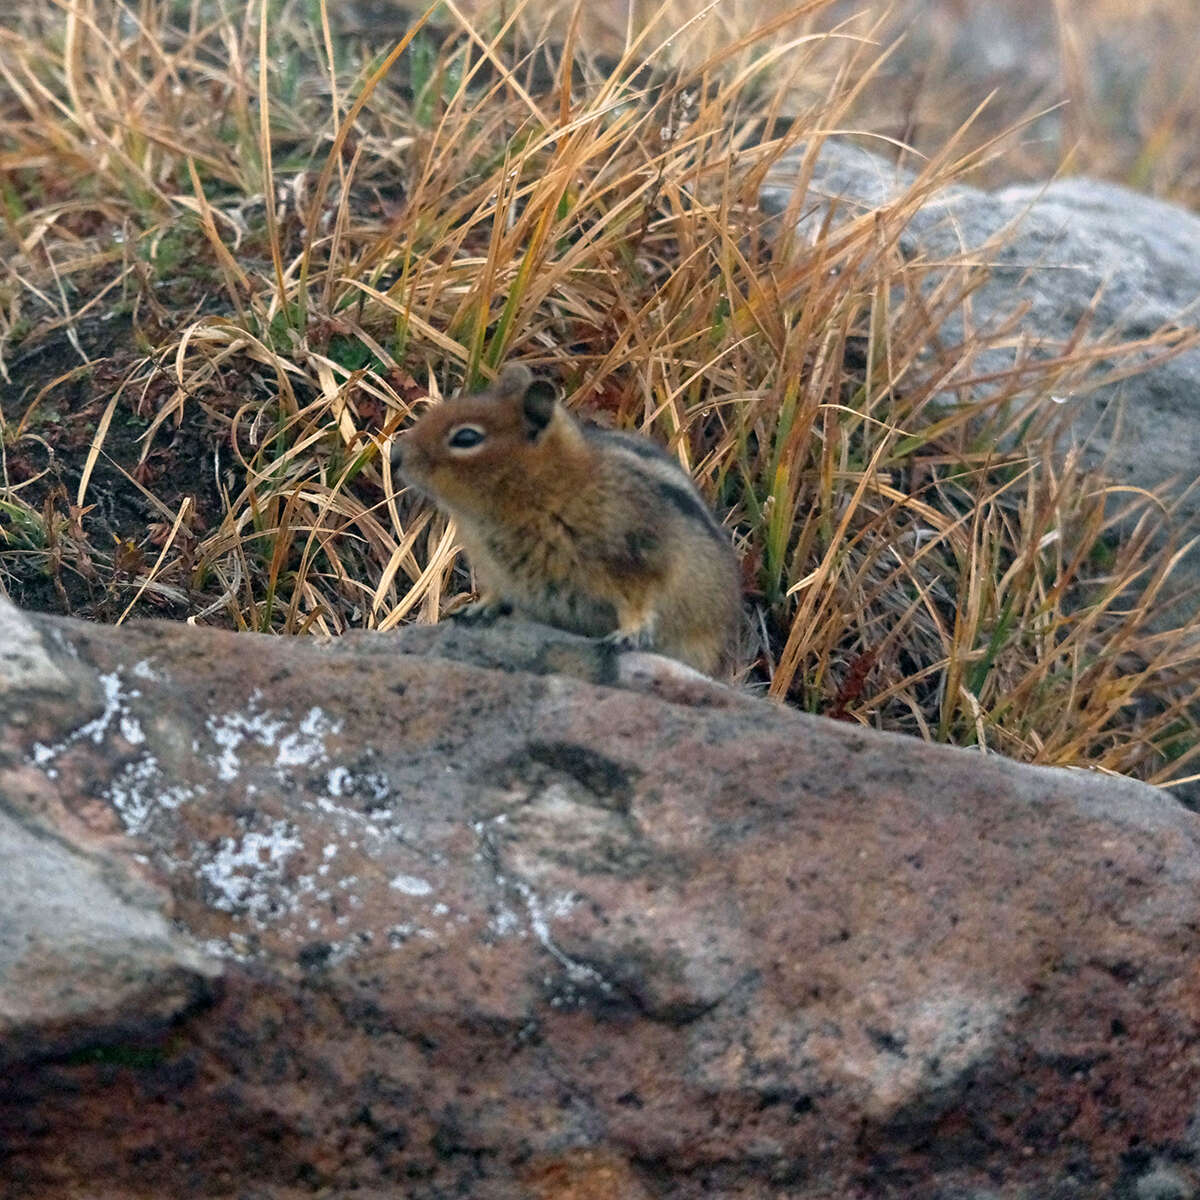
column 241, row 248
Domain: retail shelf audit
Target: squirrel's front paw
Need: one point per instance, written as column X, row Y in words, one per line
column 630, row 639
column 483, row 612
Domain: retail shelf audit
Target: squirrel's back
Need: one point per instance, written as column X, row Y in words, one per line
column 588, row 529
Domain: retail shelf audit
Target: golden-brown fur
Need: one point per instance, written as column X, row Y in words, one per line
column 588, row 530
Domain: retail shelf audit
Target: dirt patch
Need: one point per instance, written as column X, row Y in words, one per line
column 57, row 556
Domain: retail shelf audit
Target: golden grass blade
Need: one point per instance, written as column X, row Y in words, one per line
column 423, row 590
column 180, row 516
column 489, row 52
column 236, row 282
column 97, row 442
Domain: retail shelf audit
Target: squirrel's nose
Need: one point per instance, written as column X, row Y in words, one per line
column 397, row 450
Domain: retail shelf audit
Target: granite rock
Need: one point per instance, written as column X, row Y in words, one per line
column 501, row 914
column 1057, row 250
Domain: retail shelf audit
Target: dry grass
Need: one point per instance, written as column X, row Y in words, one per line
column 298, row 239
column 1117, row 82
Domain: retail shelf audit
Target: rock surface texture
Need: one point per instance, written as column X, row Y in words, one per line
column 1057, row 249
column 493, row 914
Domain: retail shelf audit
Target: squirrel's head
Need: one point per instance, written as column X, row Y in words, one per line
column 466, row 452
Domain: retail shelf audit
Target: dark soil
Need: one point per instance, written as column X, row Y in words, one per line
column 117, row 527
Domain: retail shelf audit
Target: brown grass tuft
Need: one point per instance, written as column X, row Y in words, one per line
column 241, row 248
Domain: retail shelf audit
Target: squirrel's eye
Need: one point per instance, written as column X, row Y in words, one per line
column 465, row 436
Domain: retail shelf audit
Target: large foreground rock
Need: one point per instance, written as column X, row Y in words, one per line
column 499, row 917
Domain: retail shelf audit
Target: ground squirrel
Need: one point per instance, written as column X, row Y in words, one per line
column 590, row 530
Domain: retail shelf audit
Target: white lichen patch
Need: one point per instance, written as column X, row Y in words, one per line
column 131, row 731
column 245, row 875
column 230, row 731
column 505, row 922
column 305, row 745
column 141, row 790
column 540, row 914
column 116, row 711
column 261, row 875
column 397, row 935
column 302, row 745
column 372, row 787
column 379, row 826
column 410, row 885
column 339, row 781
column 539, row 911
column 561, row 906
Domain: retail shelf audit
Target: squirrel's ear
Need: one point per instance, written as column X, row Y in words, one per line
column 513, row 380
column 538, row 406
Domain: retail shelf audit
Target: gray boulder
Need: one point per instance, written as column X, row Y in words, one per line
column 1054, row 248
